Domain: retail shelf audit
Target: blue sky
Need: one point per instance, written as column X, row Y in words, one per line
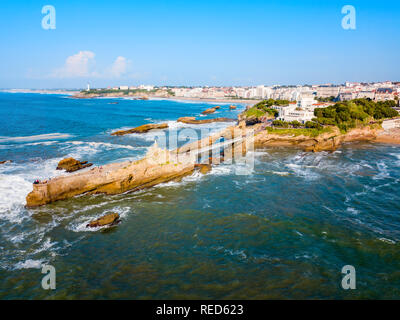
column 197, row 43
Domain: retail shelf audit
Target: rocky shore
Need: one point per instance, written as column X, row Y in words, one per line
column 329, row 140
column 141, row 129
column 193, row 120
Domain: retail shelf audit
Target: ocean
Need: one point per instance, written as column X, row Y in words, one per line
column 284, row 231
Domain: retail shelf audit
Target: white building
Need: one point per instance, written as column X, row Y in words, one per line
column 147, row 87
column 302, row 110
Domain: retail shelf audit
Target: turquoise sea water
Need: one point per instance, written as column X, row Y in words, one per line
column 283, row 231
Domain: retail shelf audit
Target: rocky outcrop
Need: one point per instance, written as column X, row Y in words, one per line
column 327, row 141
column 71, row 165
column 6, row 161
column 232, row 107
column 106, row 220
column 141, row 129
column 203, row 168
column 158, row 166
column 391, row 136
column 210, row 110
column 86, row 96
column 252, row 120
column 192, row 120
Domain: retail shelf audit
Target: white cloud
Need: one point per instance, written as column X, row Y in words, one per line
column 83, row 65
column 119, row 67
column 79, row 65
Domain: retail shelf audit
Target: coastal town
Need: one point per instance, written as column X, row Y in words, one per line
column 300, row 101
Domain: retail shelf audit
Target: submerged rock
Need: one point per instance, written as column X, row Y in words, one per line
column 232, row 107
column 71, row 165
column 141, row 129
column 109, row 219
column 6, row 161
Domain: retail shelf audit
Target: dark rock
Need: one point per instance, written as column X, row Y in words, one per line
column 71, row 165
column 106, row 220
column 250, row 121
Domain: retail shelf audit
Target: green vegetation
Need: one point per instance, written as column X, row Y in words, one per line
column 310, row 132
column 349, row 114
column 264, row 107
column 254, row 112
column 280, row 123
column 313, row 125
column 295, row 124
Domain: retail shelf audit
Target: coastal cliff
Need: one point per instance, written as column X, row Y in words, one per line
column 328, row 140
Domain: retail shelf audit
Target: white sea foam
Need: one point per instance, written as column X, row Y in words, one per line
column 387, row 240
column 29, row 264
column 47, row 245
column 352, row 211
column 13, row 190
column 39, row 137
column 281, row 173
column 84, row 149
column 16, row 182
column 382, row 171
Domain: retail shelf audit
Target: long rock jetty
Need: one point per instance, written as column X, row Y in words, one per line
column 158, row 166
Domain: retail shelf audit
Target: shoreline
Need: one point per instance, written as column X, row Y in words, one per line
column 42, row 91
column 74, row 93
column 208, row 100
